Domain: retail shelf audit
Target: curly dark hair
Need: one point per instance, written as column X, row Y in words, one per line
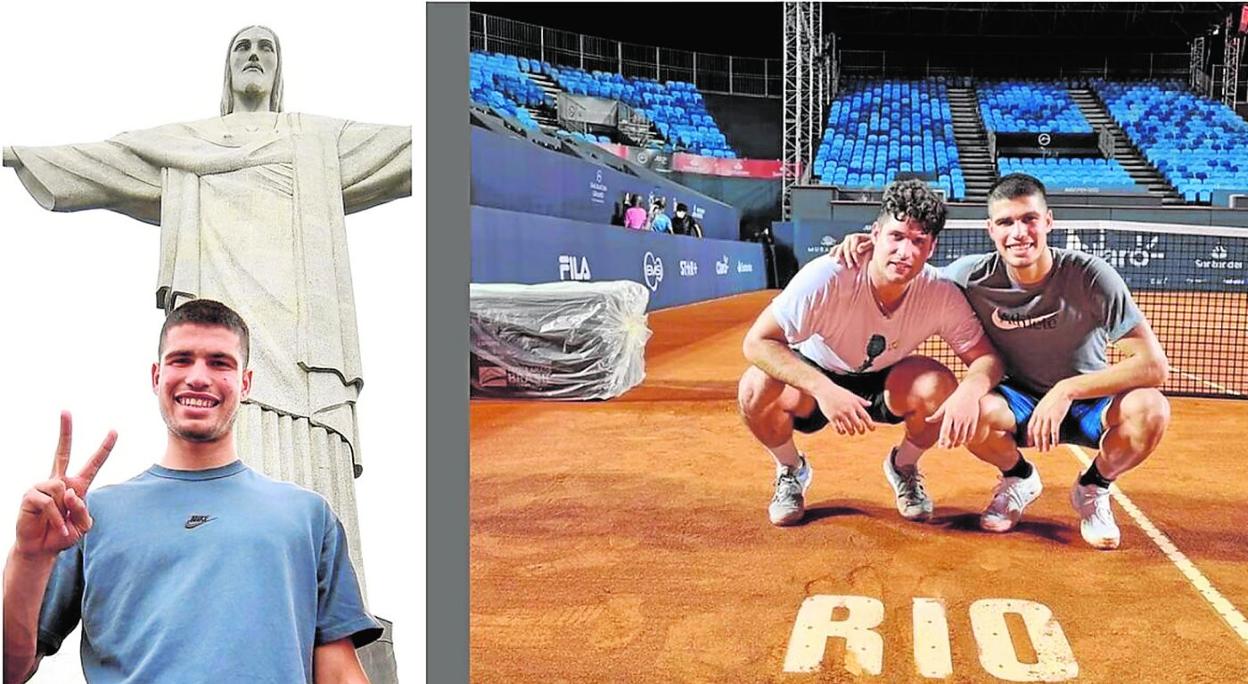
column 913, row 200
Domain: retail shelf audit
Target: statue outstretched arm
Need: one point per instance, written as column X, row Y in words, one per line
column 376, row 164
column 105, row 175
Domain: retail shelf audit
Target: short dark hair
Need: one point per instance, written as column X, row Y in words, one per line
column 914, row 200
column 208, row 312
column 1017, row 185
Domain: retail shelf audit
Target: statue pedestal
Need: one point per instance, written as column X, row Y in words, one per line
column 378, row 657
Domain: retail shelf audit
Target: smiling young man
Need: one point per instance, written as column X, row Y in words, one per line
column 1051, row 313
column 198, row 569
column 835, row 347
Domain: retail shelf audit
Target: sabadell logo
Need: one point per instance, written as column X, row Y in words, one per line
column 652, row 270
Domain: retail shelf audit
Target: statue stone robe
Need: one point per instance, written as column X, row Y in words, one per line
column 251, row 210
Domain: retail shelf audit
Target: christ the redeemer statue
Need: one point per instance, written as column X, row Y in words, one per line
column 250, row 207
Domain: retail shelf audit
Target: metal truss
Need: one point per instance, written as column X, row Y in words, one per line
column 805, row 93
column 1230, row 61
column 1197, row 63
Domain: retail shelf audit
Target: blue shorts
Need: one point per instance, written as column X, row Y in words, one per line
column 1084, row 423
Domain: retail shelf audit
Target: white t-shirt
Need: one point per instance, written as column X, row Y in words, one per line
column 829, row 314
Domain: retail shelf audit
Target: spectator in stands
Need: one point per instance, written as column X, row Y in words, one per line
column 617, row 213
column 684, row 223
column 635, row 216
column 659, row 221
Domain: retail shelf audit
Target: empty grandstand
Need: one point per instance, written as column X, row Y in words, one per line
column 1199, row 145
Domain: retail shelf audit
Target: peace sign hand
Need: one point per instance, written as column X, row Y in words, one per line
column 54, row 512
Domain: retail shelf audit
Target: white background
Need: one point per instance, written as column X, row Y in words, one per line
column 77, row 290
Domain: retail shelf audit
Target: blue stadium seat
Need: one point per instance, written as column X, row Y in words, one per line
column 879, row 129
column 1199, row 145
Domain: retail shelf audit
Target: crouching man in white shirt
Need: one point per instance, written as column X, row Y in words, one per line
column 835, row 347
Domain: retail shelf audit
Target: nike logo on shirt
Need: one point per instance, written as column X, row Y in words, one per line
column 1004, row 324
column 197, row 520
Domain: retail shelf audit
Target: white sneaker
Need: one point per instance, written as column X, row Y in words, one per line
column 788, row 505
column 1096, row 519
column 907, row 483
column 1009, row 498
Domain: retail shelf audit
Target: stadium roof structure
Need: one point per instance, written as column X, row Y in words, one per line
column 970, row 37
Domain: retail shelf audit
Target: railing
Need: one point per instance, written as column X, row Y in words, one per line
column 726, row 74
column 879, row 64
column 1105, row 141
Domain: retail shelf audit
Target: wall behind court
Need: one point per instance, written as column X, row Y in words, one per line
column 513, row 247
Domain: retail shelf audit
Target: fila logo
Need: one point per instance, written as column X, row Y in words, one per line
column 1037, row 322
column 570, row 269
column 197, row 520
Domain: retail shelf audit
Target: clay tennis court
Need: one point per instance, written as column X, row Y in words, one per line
column 628, row 541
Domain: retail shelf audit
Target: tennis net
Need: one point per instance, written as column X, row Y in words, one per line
column 1191, row 282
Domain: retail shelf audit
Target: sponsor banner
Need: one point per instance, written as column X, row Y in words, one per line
column 693, row 163
column 654, row 160
column 516, row 175
column 1165, row 261
column 651, row 159
column 1045, row 142
column 510, row 247
column 739, row 168
column 812, row 238
column 1146, row 259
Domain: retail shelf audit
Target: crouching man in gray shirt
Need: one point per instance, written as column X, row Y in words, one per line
column 196, row 570
column 1051, row 313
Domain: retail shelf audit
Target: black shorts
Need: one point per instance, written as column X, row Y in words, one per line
column 869, row 386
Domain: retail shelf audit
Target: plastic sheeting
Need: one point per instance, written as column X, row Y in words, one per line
column 567, row 340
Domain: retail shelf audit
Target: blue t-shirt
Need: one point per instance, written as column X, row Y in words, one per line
column 220, row 575
column 661, row 224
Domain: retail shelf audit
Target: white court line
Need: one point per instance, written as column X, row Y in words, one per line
column 1215, row 598
column 1210, row 383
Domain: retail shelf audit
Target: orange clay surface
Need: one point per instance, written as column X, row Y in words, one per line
column 628, row 541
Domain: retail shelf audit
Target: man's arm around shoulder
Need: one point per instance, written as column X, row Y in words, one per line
column 337, row 663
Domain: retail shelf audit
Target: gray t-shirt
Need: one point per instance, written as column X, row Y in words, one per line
column 1056, row 329
column 219, row 575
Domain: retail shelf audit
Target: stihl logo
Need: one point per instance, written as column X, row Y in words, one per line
column 572, row 269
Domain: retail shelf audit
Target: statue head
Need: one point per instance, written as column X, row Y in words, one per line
column 253, row 69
